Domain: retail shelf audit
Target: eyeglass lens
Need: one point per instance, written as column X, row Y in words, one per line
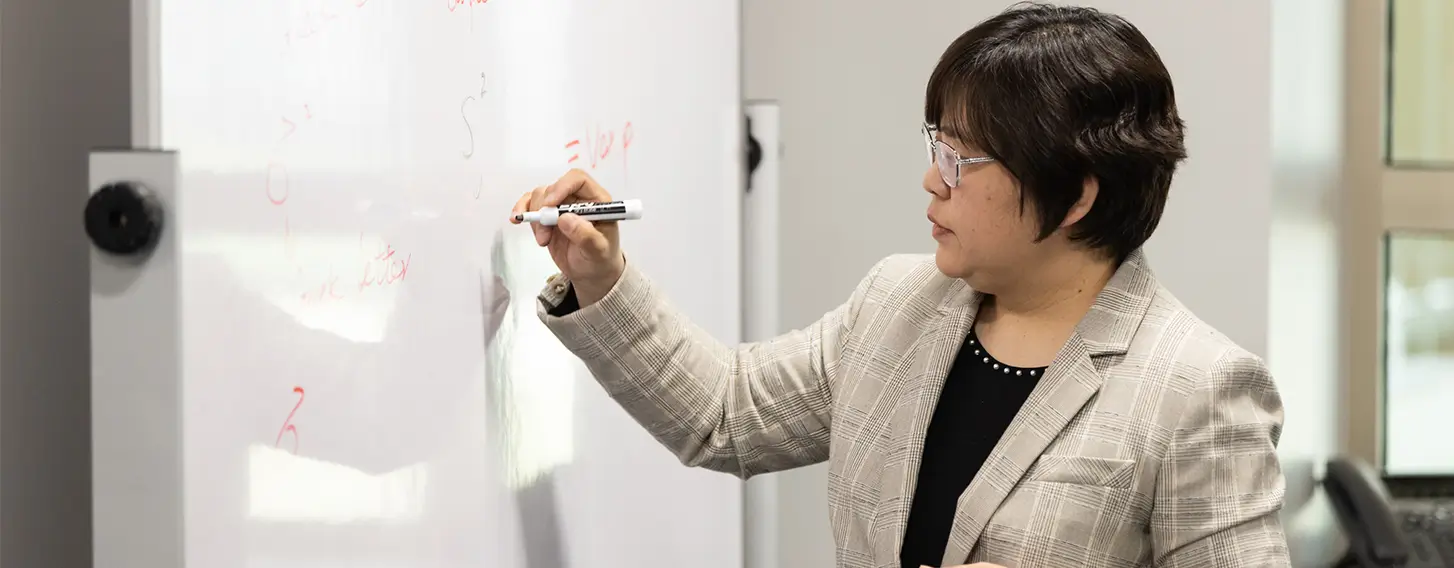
column 945, row 159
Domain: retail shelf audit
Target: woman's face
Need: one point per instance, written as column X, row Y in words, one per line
column 981, row 229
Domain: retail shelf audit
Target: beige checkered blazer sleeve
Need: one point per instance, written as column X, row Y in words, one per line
column 752, row 409
column 1151, row 440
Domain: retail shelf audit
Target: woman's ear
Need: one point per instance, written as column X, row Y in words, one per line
column 1082, row 207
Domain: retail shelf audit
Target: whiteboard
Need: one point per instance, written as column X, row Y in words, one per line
column 362, row 378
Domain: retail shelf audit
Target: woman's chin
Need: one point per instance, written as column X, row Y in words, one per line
column 949, row 261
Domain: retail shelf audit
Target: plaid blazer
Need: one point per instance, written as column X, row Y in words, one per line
column 1150, row 441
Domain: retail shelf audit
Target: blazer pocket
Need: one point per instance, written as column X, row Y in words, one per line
column 1083, row 470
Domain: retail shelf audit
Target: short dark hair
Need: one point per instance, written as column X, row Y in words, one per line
column 1058, row 95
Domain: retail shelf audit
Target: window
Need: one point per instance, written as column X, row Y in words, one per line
column 1418, row 352
column 1421, row 78
column 1415, row 366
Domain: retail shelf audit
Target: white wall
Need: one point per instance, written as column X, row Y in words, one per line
column 64, row 88
column 853, row 153
column 850, row 78
column 1306, row 325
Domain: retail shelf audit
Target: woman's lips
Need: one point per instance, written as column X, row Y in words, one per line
column 938, row 230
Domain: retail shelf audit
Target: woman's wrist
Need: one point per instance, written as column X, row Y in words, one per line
column 590, row 291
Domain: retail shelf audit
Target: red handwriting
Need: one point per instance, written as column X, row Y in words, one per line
column 290, row 123
column 627, row 133
column 288, row 423
column 456, row 4
column 575, row 156
column 311, row 24
column 277, row 184
column 323, row 291
column 384, row 267
column 598, row 145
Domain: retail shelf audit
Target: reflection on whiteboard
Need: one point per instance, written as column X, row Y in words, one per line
column 345, row 285
column 530, row 374
column 286, row 487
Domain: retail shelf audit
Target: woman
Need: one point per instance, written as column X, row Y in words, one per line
column 1030, row 396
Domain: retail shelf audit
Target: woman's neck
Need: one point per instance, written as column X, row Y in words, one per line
column 1058, row 291
column 1026, row 323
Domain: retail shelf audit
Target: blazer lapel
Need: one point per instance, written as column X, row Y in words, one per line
column 1067, row 385
column 1071, row 380
column 937, row 350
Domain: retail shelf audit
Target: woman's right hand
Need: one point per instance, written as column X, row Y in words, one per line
column 587, row 253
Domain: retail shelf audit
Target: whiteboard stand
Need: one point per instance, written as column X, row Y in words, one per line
column 760, row 308
column 136, row 394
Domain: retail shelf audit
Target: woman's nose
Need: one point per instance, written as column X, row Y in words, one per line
column 935, row 184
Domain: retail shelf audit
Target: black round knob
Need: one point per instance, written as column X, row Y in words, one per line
column 123, row 218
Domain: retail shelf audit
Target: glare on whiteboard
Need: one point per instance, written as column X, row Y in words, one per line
column 531, row 374
column 286, row 487
column 316, row 259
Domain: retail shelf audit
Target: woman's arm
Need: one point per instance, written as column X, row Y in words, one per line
column 1221, row 487
column 755, row 408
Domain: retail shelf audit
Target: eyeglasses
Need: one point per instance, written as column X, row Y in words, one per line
column 946, row 158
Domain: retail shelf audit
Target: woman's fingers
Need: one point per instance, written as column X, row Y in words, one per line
column 521, row 205
column 575, row 185
column 584, row 234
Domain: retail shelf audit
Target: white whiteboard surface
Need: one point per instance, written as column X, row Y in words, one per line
column 349, row 393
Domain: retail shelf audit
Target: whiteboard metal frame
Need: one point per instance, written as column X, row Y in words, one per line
column 145, row 76
column 760, row 310
column 136, row 390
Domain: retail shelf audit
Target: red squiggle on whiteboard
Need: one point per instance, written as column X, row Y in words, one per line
column 326, row 290
column 288, row 423
column 389, row 269
column 456, row 4
column 627, row 133
column 384, row 268
column 313, row 24
column 277, row 184
column 291, row 128
column 290, row 125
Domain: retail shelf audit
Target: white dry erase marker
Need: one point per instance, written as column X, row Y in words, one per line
column 590, row 211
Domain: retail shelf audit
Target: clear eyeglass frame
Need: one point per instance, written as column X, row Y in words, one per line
column 946, row 158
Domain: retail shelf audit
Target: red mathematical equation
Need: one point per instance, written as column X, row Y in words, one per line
column 288, row 426
column 595, row 148
column 316, row 16
column 382, row 267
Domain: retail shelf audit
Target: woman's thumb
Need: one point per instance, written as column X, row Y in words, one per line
column 584, row 234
